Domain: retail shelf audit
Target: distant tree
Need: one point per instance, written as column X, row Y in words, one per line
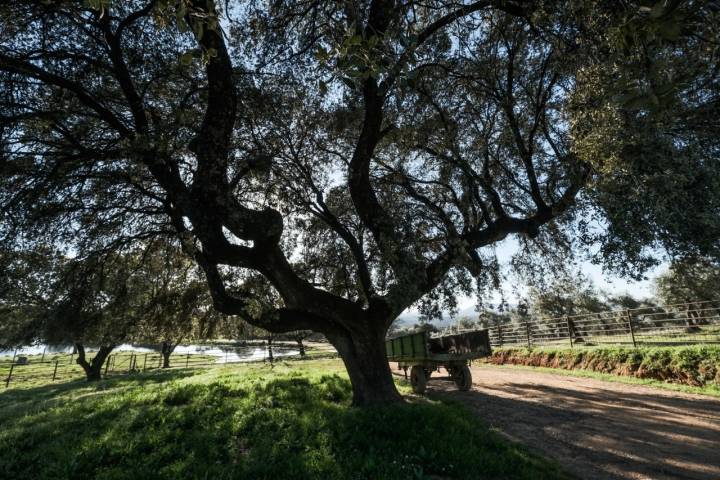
column 642, row 311
column 96, row 303
column 299, row 337
column 566, row 297
column 179, row 305
column 233, row 328
column 690, row 282
column 555, row 306
column 692, row 279
column 49, row 298
column 628, row 302
column 396, row 328
column 463, row 323
column 489, row 318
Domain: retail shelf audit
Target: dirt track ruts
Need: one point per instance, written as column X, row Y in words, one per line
column 597, row 429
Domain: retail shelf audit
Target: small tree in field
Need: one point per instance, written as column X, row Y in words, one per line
column 689, row 280
column 694, row 282
column 357, row 158
column 94, row 302
column 299, row 337
column 97, row 304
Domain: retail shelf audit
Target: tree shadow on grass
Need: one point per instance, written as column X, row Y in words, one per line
column 267, row 427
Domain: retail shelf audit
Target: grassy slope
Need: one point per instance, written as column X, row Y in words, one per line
column 693, row 369
column 291, row 422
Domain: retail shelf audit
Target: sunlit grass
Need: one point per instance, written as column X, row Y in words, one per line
column 291, row 421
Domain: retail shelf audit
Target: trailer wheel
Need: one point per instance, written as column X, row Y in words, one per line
column 462, row 377
column 418, row 379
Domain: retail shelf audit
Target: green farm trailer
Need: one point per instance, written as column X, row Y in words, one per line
column 423, row 355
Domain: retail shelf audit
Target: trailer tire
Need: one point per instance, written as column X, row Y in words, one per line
column 418, row 379
column 462, row 377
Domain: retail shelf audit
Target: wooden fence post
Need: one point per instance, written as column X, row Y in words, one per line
column 570, row 332
column 187, row 360
column 632, row 330
column 55, row 370
column 7, row 381
column 43, row 355
column 145, row 362
column 107, row 365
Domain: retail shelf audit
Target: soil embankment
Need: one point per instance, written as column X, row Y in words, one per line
column 692, row 365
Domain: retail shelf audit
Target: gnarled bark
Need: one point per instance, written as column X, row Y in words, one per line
column 166, row 350
column 363, row 354
column 93, row 368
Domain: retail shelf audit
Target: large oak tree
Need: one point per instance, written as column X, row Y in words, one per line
column 327, row 164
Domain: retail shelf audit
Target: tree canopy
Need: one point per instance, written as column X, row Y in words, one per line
column 689, row 280
column 329, row 164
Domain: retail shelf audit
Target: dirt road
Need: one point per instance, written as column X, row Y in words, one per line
column 596, row 429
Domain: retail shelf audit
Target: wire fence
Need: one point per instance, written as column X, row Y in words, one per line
column 62, row 367
column 43, row 369
column 680, row 324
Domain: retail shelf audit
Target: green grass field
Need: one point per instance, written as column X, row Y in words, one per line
column 42, row 369
column 39, row 372
column 292, row 421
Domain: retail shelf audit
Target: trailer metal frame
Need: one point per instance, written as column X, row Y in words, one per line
column 423, row 355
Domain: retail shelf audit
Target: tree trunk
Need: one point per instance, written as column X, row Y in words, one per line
column 270, row 357
column 301, row 346
column 574, row 332
column 166, row 351
column 368, row 368
column 93, row 368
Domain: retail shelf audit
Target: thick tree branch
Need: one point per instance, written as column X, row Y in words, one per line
column 13, row 65
column 121, row 70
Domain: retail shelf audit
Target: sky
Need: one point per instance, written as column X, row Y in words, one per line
column 603, row 281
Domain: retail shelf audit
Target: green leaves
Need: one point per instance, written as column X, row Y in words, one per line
column 186, row 16
column 353, row 58
column 99, row 5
